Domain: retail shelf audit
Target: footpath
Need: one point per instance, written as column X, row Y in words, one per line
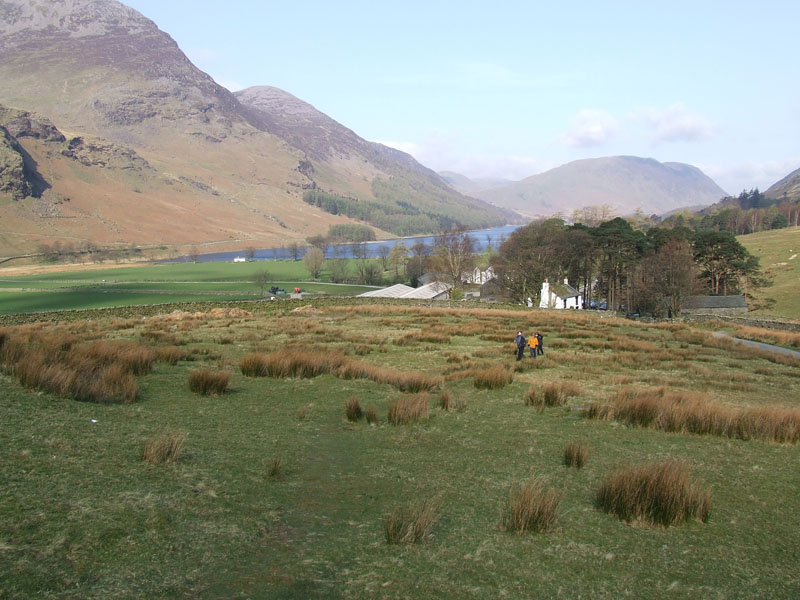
column 759, row 345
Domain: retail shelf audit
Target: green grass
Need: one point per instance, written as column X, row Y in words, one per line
column 779, row 253
column 83, row 516
column 155, row 284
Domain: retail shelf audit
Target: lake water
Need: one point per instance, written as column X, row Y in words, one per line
column 482, row 239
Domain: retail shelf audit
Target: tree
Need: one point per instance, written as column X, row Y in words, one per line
column 722, row 260
column 671, row 273
column 319, row 241
column 294, row 250
column 313, row 260
column 369, row 271
column 262, row 279
column 193, row 254
column 453, row 257
column 383, row 255
column 619, row 247
column 417, row 264
column 397, row 258
column 339, row 270
column 249, row 253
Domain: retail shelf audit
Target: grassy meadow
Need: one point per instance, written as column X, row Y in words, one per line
column 777, row 251
column 343, row 449
column 156, row 284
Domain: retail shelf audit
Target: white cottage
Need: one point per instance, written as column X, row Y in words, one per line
column 560, row 296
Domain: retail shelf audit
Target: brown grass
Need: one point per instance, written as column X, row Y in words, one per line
column 352, row 409
column 658, row 494
column 164, row 449
column 412, row 523
column 299, row 363
column 372, row 415
column 493, row 378
column 552, row 394
column 576, row 454
column 445, row 400
column 275, row 466
column 209, row 383
column 693, row 413
column 169, row 354
column 532, row 506
column 409, row 409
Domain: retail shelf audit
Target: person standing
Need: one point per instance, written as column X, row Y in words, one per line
column 521, row 343
column 533, row 342
column 539, row 346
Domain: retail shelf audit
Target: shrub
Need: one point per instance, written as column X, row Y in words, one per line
column 413, row 522
column 532, row 506
column 164, row 449
column 353, row 409
column 207, row 382
column 659, row 494
column 409, row 409
column 493, row 378
column 575, row 455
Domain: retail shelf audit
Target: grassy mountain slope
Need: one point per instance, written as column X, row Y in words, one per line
column 207, row 168
column 779, row 253
column 788, row 187
column 623, row 182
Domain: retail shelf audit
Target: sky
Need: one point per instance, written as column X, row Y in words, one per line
column 508, row 89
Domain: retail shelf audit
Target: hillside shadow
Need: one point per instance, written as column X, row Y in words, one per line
column 30, row 169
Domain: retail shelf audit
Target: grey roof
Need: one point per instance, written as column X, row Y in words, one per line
column 394, row 291
column 695, row 302
column 425, row 292
column 564, row 290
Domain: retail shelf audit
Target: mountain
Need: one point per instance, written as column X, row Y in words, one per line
column 144, row 148
column 626, row 183
column 468, row 186
column 788, row 187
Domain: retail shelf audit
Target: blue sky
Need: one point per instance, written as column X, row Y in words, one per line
column 511, row 88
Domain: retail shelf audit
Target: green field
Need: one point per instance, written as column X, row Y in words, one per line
column 778, row 252
column 82, row 516
column 156, row 284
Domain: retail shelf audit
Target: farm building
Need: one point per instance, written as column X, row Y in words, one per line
column 560, row 296
column 431, row 291
column 713, row 305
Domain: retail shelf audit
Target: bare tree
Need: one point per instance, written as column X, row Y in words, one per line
column 249, row 253
column 193, row 254
column 397, row 258
column 262, row 279
column 383, row 255
column 453, row 257
column 313, row 260
column 295, row 251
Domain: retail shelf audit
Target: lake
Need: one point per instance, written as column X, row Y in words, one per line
column 483, row 238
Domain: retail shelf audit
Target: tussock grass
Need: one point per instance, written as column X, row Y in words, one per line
column 552, row 394
column 169, row 355
column 532, row 506
column 209, row 383
column 445, row 400
column 164, row 449
column 298, row 363
column 352, row 409
column 493, row 378
column 576, row 454
column 412, row 523
column 409, row 409
column 417, row 337
column 658, row 494
column 304, row 414
column 372, row 415
column 688, row 412
column 275, row 466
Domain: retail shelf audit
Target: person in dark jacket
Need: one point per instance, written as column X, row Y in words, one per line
column 521, row 342
column 539, row 346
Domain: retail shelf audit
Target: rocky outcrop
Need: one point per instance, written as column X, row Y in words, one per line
column 96, row 153
column 12, row 167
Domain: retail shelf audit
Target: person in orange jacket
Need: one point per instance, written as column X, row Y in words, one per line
column 533, row 343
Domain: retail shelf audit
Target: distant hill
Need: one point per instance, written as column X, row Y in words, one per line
column 625, row 183
column 109, row 135
column 468, row 186
column 787, row 188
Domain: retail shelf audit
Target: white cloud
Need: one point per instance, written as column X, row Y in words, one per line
column 677, row 123
column 734, row 178
column 591, row 127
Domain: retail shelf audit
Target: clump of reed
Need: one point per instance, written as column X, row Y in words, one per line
column 686, row 412
column 532, row 506
column 352, row 409
column 493, row 378
column 417, row 337
column 99, row 371
column 445, row 400
column 169, row 354
column 554, row 393
column 412, row 523
column 408, row 409
column 372, row 415
column 575, row 455
column 209, row 383
column 299, row 363
column 658, row 494
column 163, row 449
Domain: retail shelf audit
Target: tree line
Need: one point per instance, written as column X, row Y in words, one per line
column 647, row 271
